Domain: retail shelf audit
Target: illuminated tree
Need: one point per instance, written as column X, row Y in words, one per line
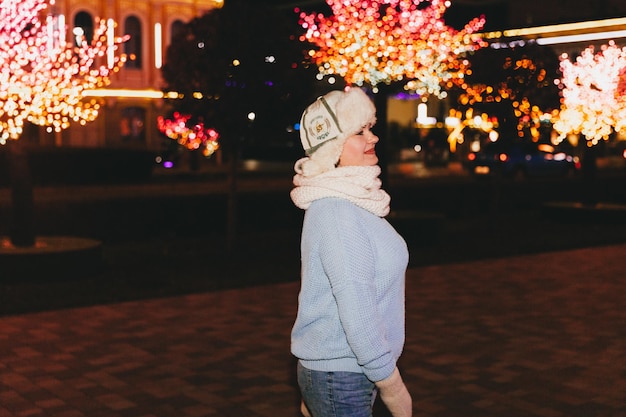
column 516, row 85
column 593, row 100
column 42, row 81
column 385, row 44
column 384, row 41
column 42, row 76
column 593, row 103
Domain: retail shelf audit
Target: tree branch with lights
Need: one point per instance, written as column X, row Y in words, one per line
column 193, row 135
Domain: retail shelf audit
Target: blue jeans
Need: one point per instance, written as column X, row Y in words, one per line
column 336, row 394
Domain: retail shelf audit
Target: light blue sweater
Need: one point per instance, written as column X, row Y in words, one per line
column 351, row 302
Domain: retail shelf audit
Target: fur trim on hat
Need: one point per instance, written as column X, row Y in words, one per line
column 326, row 124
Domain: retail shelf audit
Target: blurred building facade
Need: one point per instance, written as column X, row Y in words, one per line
column 132, row 102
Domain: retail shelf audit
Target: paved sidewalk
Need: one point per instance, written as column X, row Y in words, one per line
column 530, row 336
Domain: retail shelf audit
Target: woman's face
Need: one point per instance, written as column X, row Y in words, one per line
column 358, row 150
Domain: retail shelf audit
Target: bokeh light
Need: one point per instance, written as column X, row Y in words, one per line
column 194, row 137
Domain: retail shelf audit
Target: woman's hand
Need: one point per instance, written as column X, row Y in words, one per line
column 394, row 394
column 304, row 410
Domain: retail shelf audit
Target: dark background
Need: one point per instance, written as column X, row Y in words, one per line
column 168, row 236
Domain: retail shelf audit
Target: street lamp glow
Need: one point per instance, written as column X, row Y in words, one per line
column 583, row 37
column 158, row 55
column 110, row 43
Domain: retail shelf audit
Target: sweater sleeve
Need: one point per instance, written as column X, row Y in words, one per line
column 349, row 261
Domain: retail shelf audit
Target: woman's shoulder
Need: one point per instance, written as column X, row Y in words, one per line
column 336, row 212
column 332, row 204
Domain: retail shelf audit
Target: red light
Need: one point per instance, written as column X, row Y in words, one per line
column 624, row 154
column 471, row 156
column 503, row 157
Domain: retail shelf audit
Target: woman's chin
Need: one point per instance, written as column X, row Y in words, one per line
column 372, row 160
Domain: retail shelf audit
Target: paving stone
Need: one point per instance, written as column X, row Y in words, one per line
column 539, row 335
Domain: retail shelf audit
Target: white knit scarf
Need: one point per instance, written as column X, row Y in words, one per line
column 358, row 184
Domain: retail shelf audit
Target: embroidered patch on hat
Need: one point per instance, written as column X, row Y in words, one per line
column 319, row 125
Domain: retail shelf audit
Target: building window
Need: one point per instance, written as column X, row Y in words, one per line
column 132, row 47
column 83, row 28
column 132, row 125
column 175, row 29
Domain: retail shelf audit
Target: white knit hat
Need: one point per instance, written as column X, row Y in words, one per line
column 327, row 123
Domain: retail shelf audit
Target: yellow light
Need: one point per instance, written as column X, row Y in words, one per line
column 110, row 43
column 592, row 24
column 128, row 93
column 158, row 46
column 583, row 37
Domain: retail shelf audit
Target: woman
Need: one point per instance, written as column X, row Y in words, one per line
column 349, row 331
